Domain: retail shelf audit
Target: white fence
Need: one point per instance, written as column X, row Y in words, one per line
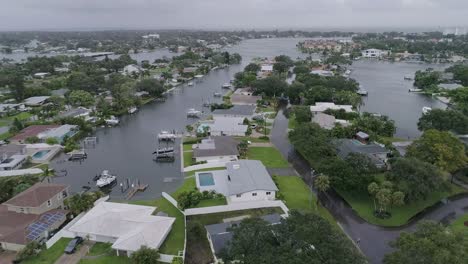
column 206, row 166
column 170, row 199
column 237, row 207
column 21, row 172
column 64, row 231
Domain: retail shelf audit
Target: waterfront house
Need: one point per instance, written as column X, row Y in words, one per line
column 32, row 214
column 219, row 235
column 224, row 126
column 36, row 100
column 30, row 131
column 219, row 148
column 320, row 107
column 244, row 96
column 127, row 227
column 241, row 181
column 41, row 75
column 12, row 156
column 377, row 153
column 238, row 111
column 373, row 53
column 324, row 73
column 328, row 121
column 6, row 108
column 76, row 112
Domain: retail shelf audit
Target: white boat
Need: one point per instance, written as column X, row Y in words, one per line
column 217, row 94
column 105, row 179
column 408, row 78
column 193, row 113
column 132, row 110
column 112, row 121
column 226, row 86
column 414, row 90
column 165, row 135
column 190, row 84
column 426, row 109
column 199, row 76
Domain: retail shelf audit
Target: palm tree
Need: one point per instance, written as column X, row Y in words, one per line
column 373, row 189
column 322, row 184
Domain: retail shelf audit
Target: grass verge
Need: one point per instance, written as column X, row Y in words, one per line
column 269, row 156
column 49, row 256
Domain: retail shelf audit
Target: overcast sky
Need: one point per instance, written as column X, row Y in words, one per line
column 230, row 14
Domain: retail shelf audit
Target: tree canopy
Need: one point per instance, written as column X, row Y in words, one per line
column 439, row 148
column 271, row 86
column 145, row 255
column 430, row 243
column 298, row 239
column 444, row 120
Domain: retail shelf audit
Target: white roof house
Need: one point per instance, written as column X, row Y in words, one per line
column 225, row 126
column 328, row 121
column 373, row 53
column 266, row 68
column 132, row 68
column 242, row 181
column 128, row 227
column 322, row 73
column 322, row 106
column 59, row 133
column 35, row 100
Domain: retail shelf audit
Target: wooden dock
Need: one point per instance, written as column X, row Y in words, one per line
column 135, row 189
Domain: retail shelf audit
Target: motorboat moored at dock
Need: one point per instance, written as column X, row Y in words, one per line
column 105, row 179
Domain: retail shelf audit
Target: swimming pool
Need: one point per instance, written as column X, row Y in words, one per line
column 206, row 179
column 40, row 154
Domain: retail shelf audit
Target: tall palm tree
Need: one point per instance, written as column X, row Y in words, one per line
column 322, row 184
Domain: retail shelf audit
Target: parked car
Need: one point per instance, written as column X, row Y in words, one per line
column 259, row 117
column 72, row 245
column 254, row 126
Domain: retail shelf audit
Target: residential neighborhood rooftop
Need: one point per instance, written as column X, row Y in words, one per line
column 32, row 131
column 216, row 146
column 36, row 195
column 248, row 175
column 238, row 110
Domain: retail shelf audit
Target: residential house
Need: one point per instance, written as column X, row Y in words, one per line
column 36, row 100
column 402, row 147
column 219, row 148
column 32, row 214
column 239, row 111
column 76, row 112
column 328, row 121
column 127, row 227
column 41, row 75
column 324, row 73
column 224, row 126
column 6, row 108
column 219, row 235
column 320, row 107
column 12, row 156
column 244, row 96
column 241, row 181
column 60, row 92
column 43, row 132
column 377, row 153
column 374, row 53
column 132, row 69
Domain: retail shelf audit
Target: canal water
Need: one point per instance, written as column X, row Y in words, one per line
column 126, row 150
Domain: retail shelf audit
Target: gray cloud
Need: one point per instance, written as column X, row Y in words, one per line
column 89, row 14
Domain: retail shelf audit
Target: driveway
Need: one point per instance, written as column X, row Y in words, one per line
column 373, row 239
column 75, row 257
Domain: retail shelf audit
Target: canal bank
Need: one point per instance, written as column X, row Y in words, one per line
column 126, row 150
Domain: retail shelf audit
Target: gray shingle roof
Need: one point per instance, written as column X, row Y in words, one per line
column 348, row 146
column 248, row 175
column 223, row 146
column 221, row 233
column 243, row 110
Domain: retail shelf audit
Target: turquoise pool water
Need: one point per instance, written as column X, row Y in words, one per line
column 206, row 179
column 40, row 154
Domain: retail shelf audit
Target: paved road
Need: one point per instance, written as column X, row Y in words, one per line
column 373, row 239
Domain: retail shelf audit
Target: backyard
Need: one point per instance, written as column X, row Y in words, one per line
column 101, row 253
column 364, row 206
column 50, row 255
column 269, row 156
column 459, row 224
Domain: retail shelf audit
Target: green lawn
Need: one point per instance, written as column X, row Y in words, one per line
column 266, row 109
column 187, row 147
column 49, row 256
column 269, row 156
column 5, row 135
column 212, row 202
column 21, row 116
column 363, row 204
column 459, row 226
column 188, row 159
column 100, row 248
column 297, row 196
column 292, row 123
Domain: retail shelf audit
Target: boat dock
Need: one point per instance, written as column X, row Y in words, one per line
column 136, row 188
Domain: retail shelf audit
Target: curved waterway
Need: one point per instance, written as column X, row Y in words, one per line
column 126, row 150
